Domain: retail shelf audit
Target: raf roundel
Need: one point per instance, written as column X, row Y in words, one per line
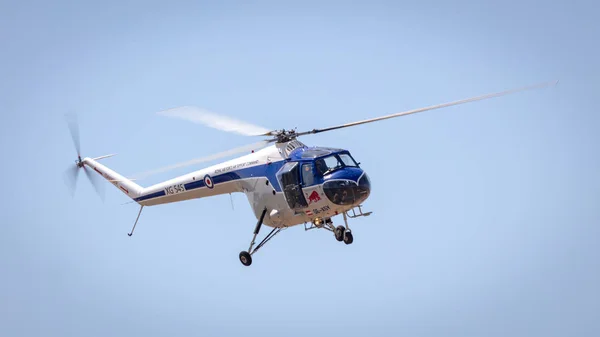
column 208, row 181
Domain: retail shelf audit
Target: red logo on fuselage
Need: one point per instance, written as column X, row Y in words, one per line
column 314, row 197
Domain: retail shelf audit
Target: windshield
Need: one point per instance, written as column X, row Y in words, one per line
column 328, row 164
column 348, row 160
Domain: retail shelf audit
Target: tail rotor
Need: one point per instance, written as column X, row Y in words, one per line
column 72, row 173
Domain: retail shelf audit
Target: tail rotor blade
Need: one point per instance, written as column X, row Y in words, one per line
column 70, row 176
column 74, row 128
column 94, row 179
column 72, row 173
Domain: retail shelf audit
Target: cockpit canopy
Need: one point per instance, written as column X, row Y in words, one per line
column 316, row 163
column 312, row 166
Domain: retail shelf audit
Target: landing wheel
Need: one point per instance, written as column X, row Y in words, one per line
column 348, row 238
column 339, row 233
column 245, row 258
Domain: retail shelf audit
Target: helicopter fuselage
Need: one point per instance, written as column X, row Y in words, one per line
column 295, row 183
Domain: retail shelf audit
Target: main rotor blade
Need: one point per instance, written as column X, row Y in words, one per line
column 444, row 105
column 213, row 120
column 245, row 148
column 74, row 128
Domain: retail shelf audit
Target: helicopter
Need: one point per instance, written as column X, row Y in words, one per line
column 286, row 182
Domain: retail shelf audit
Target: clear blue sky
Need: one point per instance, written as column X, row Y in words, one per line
column 486, row 216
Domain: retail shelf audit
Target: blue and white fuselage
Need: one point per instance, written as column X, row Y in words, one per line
column 295, row 183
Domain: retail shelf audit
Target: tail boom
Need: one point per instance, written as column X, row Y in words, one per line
column 125, row 185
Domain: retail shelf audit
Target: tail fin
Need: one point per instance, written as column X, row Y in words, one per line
column 126, row 186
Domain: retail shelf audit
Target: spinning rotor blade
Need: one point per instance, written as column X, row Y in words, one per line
column 246, row 148
column 96, row 182
column 74, row 128
column 213, row 120
column 473, row 99
column 70, row 176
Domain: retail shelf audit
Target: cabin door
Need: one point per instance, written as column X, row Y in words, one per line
column 289, row 180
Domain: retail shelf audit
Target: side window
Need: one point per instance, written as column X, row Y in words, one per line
column 308, row 177
column 288, row 175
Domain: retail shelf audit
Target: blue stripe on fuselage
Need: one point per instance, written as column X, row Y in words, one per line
column 266, row 170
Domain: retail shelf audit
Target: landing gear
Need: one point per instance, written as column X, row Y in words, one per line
column 348, row 239
column 342, row 234
column 246, row 256
column 339, row 233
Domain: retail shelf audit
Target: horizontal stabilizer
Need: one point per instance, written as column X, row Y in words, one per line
column 102, row 157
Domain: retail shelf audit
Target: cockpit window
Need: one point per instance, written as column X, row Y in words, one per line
column 328, row 164
column 348, row 160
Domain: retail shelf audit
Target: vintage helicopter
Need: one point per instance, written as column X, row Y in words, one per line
column 286, row 182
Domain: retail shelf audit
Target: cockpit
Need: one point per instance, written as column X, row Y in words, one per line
column 333, row 162
column 344, row 182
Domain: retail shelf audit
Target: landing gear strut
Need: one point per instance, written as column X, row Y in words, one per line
column 246, row 256
column 346, row 232
column 341, row 233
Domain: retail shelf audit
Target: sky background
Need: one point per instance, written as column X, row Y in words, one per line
column 486, row 216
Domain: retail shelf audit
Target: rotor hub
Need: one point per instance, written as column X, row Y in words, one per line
column 79, row 162
column 284, row 136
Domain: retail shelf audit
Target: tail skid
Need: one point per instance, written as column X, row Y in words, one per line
column 125, row 185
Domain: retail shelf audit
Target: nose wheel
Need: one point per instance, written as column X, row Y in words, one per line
column 339, row 233
column 348, row 238
column 343, row 234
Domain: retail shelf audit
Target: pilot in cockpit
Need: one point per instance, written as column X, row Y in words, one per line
column 321, row 166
